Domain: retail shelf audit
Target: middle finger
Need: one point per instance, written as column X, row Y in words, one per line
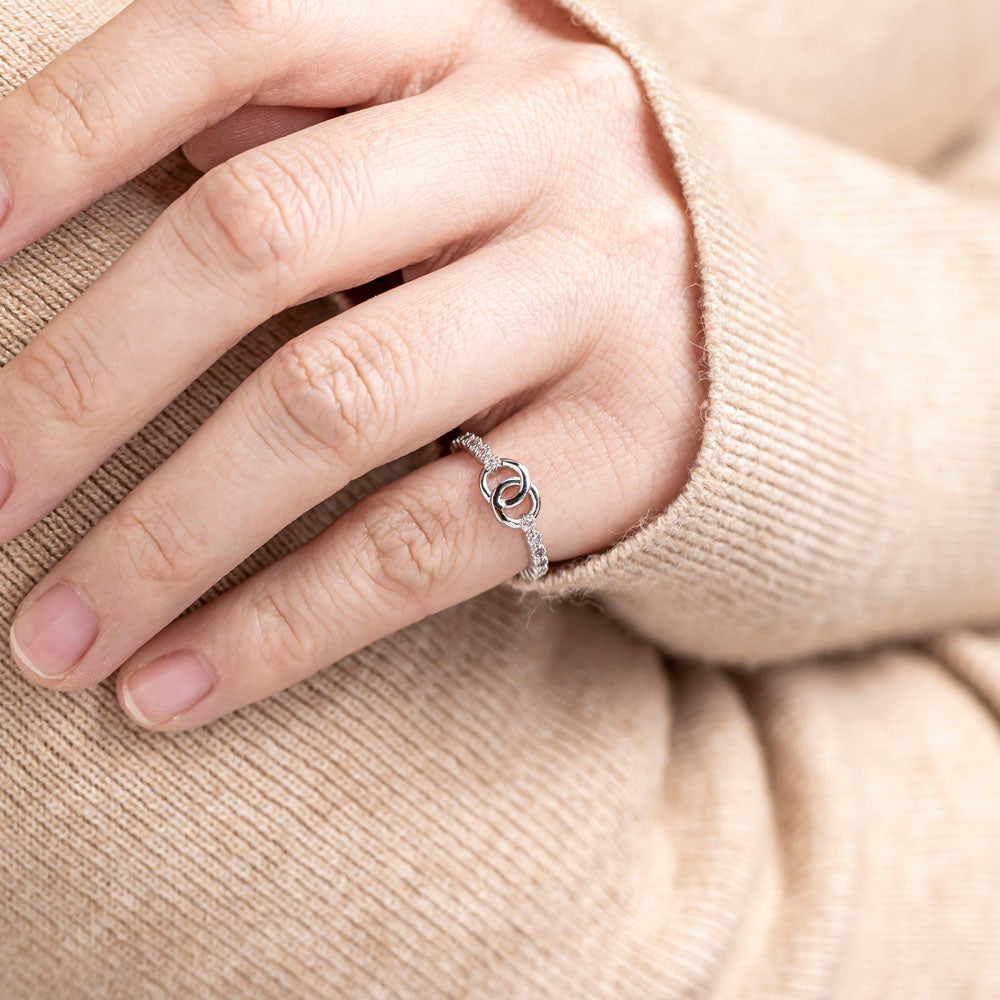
column 326, row 209
column 368, row 386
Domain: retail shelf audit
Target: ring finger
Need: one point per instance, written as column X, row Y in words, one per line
column 414, row 547
column 370, row 385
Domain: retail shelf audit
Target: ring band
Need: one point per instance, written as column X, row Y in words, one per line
column 508, row 493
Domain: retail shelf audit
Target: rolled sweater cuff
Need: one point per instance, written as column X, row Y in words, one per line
column 847, row 486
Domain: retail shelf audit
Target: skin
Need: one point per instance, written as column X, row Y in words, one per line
column 504, row 160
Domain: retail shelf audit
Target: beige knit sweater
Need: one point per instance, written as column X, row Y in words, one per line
column 532, row 798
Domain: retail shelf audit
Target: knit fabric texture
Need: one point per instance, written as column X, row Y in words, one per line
column 751, row 751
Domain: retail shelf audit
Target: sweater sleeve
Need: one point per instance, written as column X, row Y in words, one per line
column 903, row 80
column 847, row 488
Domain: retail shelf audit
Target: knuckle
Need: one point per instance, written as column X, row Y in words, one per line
column 75, row 99
column 281, row 631
column 654, row 233
column 596, row 70
column 157, row 542
column 64, row 379
column 252, row 214
column 408, row 550
column 331, row 395
column 591, row 81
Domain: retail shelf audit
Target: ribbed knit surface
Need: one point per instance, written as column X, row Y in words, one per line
column 846, row 490
column 525, row 797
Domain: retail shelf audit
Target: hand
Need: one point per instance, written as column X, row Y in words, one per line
column 500, row 157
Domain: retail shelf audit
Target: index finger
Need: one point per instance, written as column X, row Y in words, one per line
column 163, row 71
column 159, row 72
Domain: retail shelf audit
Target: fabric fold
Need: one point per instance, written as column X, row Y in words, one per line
column 847, row 488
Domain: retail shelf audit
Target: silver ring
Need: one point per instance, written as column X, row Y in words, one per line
column 510, row 492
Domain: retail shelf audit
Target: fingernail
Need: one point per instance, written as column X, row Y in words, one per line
column 4, row 200
column 51, row 636
column 165, row 687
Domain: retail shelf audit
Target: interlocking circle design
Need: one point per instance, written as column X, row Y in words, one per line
column 507, row 494
column 500, row 503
